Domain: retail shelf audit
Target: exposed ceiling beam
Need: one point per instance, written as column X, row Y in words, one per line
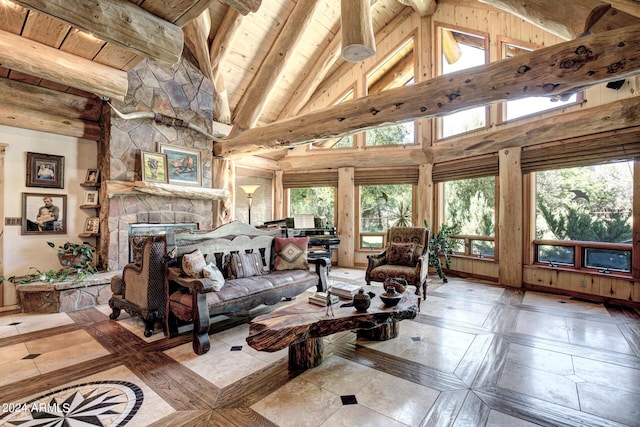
column 38, row 98
column 196, row 38
column 119, row 22
column 257, row 94
column 607, row 56
column 24, row 55
column 570, row 21
column 218, row 52
column 244, row 6
column 358, row 41
column 422, row 7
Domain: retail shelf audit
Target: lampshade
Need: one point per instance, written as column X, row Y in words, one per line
column 249, row 189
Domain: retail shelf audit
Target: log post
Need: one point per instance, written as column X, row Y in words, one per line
column 306, row 354
column 358, row 41
column 346, row 220
column 381, row 333
column 510, row 238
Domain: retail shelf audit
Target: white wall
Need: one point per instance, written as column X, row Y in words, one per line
column 21, row 252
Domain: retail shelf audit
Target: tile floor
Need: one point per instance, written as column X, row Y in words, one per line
column 472, row 357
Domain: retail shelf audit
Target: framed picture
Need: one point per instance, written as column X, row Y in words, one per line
column 184, row 165
column 92, row 176
column 91, row 198
column 44, row 213
column 45, row 170
column 92, row 225
column 153, row 167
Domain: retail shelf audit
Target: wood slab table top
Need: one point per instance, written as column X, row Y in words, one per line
column 302, row 320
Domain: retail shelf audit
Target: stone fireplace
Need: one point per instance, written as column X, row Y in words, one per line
column 125, row 211
column 180, row 92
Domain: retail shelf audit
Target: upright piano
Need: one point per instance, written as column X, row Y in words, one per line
column 322, row 240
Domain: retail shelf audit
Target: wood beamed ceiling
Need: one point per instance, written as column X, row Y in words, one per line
column 272, row 61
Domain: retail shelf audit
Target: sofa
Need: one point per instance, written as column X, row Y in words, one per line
column 258, row 267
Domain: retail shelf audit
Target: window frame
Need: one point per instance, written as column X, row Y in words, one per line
column 438, row 61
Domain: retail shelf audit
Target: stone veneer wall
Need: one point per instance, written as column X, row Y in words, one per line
column 180, row 92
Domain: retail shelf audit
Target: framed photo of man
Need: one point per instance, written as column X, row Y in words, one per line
column 45, row 170
column 44, row 213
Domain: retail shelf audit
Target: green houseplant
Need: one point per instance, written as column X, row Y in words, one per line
column 441, row 246
column 76, row 260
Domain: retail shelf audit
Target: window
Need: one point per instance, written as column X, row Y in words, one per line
column 470, row 204
column 391, row 135
column 461, row 51
column 396, row 70
column 584, row 217
column 318, row 201
column 532, row 105
column 381, row 207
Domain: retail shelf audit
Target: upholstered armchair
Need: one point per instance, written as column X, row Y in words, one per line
column 406, row 256
column 140, row 288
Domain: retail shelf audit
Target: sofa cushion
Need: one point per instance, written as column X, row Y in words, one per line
column 193, row 263
column 291, row 253
column 401, row 254
column 213, row 273
column 243, row 264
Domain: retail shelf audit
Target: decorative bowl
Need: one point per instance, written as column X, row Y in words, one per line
column 390, row 298
column 399, row 284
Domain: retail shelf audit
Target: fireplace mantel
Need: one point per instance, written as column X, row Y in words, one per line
column 118, row 188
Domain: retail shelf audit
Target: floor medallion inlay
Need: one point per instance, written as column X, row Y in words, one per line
column 97, row 403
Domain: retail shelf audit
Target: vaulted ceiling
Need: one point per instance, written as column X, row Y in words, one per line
column 265, row 57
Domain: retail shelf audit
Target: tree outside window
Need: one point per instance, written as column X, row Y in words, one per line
column 591, row 203
column 316, row 201
column 381, row 207
column 470, row 204
column 586, row 204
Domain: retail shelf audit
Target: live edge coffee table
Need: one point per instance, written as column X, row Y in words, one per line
column 301, row 326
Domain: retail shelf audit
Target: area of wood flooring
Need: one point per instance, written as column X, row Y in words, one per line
column 476, row 355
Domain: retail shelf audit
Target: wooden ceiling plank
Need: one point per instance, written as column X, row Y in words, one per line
column 46, row 62
column 12, row 17
column 119, row 22
column 256, row 96
column 45, row 29
column 598, row 58
column 316, row 75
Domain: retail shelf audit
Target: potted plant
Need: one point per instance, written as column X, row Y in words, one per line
column 441, row 246
column 74, row 254
column 76, row 260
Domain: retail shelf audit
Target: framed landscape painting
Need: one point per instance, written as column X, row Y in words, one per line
column 185, row 167
column 45, row 170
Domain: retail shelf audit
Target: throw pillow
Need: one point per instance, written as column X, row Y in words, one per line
column 211, row 272
column 291, row 253
column 193, row 263
column 401, row 254
column 244, row 265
